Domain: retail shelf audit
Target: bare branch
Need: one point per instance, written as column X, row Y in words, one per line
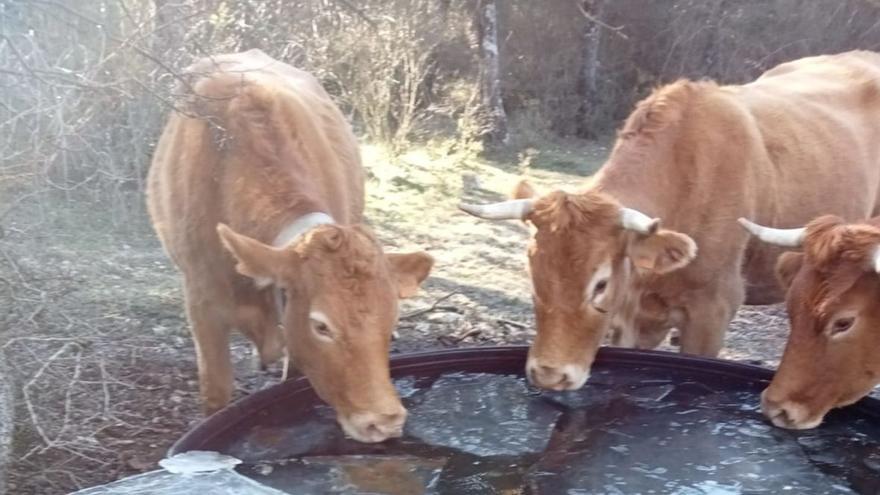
column 433, row 307
column 358, row 11
column 616, row 30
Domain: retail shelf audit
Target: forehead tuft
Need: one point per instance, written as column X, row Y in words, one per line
column 836, row 255
column 822, row 289
column 830, row 243
column 349, row 252
column 561, row 212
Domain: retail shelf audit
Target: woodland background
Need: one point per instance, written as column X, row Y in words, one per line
column 451, row 98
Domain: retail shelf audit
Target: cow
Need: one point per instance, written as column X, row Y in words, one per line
column 797, row 142
column 833, row 300
column 256, row 191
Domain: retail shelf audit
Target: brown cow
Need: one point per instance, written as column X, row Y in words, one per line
column 797, row 142
column 833, row 299
column 262, row 162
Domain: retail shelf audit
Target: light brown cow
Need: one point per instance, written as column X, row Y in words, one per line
column 799, row 141
column 832, row 357
column 262, row 162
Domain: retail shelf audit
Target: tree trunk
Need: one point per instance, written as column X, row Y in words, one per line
column 495, row 125
column 169, row 31
column 592, row 48
column 712, row 52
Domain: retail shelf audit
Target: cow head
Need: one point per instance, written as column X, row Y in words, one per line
column 341, row 308
column 832, row 357
column 585, row 253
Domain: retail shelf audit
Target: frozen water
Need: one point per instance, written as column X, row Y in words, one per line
column 198, row 461
column 406, row 386
column 190, row 473
column 224, row 482
column 281, row 441
column 474, row 413
column 350, row 475
column 704, row 435
column 633, row 430
column 872, row 461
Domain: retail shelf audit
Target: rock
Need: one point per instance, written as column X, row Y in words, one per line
column 470, row 182
column 445, row 317
column 161, row 330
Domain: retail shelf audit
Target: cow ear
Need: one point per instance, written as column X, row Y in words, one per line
column 662, row 252
column 787, row 266
column 410, row 270
column 523, row 190
column 254, row 259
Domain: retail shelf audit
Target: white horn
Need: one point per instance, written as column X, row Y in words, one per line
column 876, row 260
column 637, row 221
column 515, row 209
column 777, row 237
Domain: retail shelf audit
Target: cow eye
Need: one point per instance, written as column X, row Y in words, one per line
column 600, row 287
column 322, row 329
column 841, row 325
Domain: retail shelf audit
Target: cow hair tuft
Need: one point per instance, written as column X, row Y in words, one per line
column 561, row 212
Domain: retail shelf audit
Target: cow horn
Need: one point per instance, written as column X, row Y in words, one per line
column 514, row 209
column 876, row 260
column 637, row 221
column 777, row 237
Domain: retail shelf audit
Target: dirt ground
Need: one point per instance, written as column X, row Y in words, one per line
column 93, row 328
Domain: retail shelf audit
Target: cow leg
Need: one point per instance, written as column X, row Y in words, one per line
column 650, row 337
column 210, row 332
column 707, row 320
column 261, row 328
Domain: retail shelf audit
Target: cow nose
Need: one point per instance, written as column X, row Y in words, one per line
column 549, row 376
column 786, row 413
column 555, row 377
column 373, row 427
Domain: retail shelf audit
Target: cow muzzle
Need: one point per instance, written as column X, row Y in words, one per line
column 374, row 427
column 558, row 378
column 789, row 414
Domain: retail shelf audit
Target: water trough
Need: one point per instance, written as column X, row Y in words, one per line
column 646, row 422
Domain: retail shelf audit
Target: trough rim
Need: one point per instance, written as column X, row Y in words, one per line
column 489, row 357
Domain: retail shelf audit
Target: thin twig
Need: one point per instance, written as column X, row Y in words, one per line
column 21, row 59
column 358, row 11
column 512, row 323
column 616, row 30
column 68, row 395
column 25, row 390
column 433, row 307
column 459, row 337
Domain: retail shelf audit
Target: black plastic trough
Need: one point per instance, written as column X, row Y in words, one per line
column 647, row 422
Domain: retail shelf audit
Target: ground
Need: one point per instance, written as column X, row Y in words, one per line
column 92, row 324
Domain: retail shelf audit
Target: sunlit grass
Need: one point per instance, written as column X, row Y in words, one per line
column 405, row 187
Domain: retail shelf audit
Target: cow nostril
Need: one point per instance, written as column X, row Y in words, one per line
column 784, row 415
column 564, row 379
column 374, row 430
column 534, row 373
column 552, row 377
column 547, row 370
column 778, row 412
column 384, row 425
column 395, row 420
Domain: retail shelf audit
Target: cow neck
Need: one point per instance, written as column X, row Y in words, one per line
column 295, row 229
column 288, row 235
column 628, row 184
